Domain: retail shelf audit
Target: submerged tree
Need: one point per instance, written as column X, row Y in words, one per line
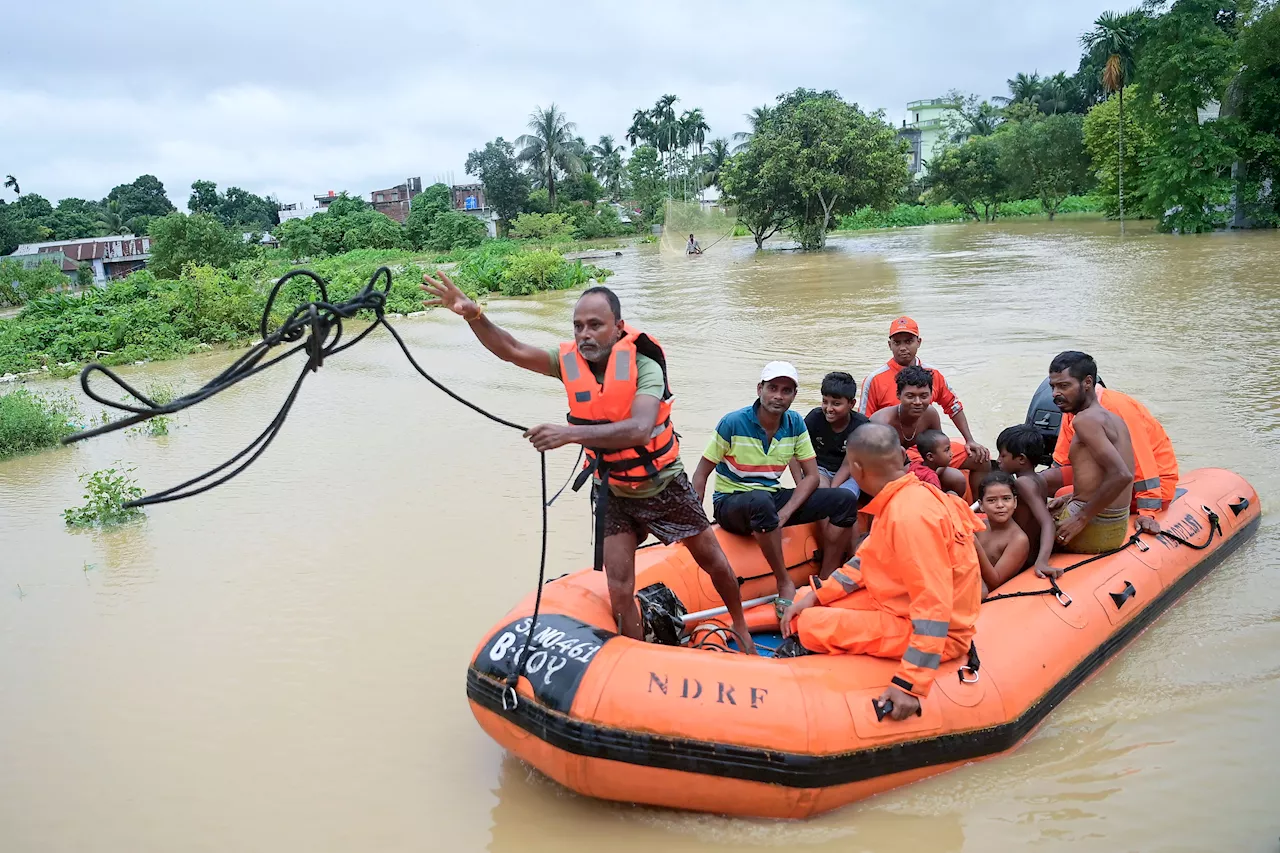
column 1115, row 35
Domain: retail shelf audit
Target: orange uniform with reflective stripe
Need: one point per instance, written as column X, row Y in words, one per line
column 1155, row 474
column 880, row 390
column 610, row 401
column 913, row 592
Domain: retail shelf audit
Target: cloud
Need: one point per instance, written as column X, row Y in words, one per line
column 293, row 99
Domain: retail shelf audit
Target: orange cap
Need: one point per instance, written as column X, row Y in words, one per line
column 904, row 324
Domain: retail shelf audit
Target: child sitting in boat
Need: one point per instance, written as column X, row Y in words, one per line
column 1004, row 545
column 1019, row 447
column 935, row 454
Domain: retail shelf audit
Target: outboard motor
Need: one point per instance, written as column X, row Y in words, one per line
column 1047, row 417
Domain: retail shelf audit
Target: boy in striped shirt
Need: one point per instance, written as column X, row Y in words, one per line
column 748, row 453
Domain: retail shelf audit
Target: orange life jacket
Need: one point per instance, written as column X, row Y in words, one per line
column 591, row 402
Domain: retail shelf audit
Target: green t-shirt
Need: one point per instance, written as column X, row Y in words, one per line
column 649, row 382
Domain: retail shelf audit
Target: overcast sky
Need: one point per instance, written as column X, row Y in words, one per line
column 296, row 98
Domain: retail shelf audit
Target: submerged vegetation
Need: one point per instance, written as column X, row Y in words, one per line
column 31, row 421
column 105, row 495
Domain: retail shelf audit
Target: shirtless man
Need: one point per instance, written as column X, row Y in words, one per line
column 915, row 415
column 1096, row 517
column 1003, row 543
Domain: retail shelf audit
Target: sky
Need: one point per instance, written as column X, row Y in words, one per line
column 297, row 98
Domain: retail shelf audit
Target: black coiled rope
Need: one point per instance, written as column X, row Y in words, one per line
column 316, row 329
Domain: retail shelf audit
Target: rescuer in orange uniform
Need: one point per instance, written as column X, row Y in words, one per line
column 880, row 389
column 615, row 378
column 913, row 590
column 1155, row 465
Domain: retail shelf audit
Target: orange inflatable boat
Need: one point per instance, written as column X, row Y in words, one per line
column 685, row 727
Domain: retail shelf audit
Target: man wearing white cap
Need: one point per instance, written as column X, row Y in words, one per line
column 748, row 453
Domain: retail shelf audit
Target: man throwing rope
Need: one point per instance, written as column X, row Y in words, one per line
column 620, row 411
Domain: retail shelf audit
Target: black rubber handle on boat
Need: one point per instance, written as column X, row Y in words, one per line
column 1121, row 597
column 886, row 709
column 1239, row 506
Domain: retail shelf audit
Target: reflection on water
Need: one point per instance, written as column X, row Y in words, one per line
column 278, row 665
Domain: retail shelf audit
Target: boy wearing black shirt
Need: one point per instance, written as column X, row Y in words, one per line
column 830, row 426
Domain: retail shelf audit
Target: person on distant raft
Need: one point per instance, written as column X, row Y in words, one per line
column 1019, row 447
column 914, row 416
column 1096, row 517
column 879, row 391
column 620, row 411
column 692, row 247
column 1155, row 473
column 749, row 451
column 913, row 591
column 1003, row 543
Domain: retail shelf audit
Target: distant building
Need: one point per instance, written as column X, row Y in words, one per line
column 394, row 202
column 469, row 199
column 111, row 257
column 925, row 129
column 298, row 210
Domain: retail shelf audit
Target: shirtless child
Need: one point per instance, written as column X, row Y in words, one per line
column 1096, row 517
column 1020, row 446
column 1003, row 543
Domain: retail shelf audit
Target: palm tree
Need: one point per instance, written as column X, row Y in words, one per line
column 11, row 182
column 717, row 161
column 110, row 221
column 609, row 164
column 1024, row 88
column 550, row 146
column 641, row 129
column 755, row 119
column 1115, row 36
column 586, row 153
column 693, row 134
column 1058, row 94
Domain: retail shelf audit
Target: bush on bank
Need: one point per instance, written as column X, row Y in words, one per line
column 907, row 215
column 30, row 421
column 144, row 317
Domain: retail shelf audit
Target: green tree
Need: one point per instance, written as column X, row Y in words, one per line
column 145, row 196
column 84, row 274
column 74, row 218
column 426, row 205
column 506, row 188
column 11, row 183
column 369, row 229
column 714, row 165
column 204, row 198
column 178, row 239
column 609, row 165
column 455, row 230
column 1101, row 132
column 542, row 226
column 648, row 185
column 762, row 193
column 1257, row 90
column 971, row 176
column 581, row 187
column 299, row 239
column 838, row 159
column 1045, row 157
column 1189, row 56
column 550, row 146
column 1115, row 36
column 111, row 220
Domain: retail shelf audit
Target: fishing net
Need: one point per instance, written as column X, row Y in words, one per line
column 709, row 224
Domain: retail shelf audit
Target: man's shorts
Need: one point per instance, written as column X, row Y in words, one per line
column 849, row 485
column 1107, row 531
column 671, row 515
column 756, row 511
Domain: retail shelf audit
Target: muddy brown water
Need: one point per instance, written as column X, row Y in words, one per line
column 279, row 664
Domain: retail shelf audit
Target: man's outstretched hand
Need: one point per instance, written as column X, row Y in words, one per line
column 448, row 295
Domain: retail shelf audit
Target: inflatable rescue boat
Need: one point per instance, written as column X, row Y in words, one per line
column 686, row 727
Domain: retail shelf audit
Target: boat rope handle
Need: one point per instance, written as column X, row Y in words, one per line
column 1215, row 529
column 317, row 325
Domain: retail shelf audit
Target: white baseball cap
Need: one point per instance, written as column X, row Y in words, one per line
column 779, row 369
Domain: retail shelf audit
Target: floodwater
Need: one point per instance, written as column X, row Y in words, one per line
column 279, row 664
